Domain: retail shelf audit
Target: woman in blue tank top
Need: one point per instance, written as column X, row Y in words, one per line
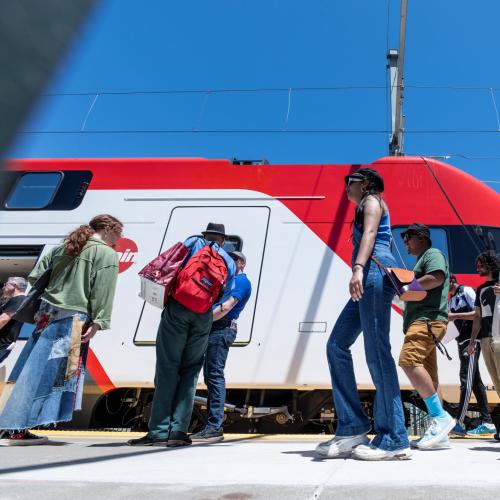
column 368, row 311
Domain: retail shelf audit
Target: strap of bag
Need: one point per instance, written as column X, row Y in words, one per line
column 439, row 344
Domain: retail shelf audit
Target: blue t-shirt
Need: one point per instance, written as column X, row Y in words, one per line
column 241, row 291
column 195, row 243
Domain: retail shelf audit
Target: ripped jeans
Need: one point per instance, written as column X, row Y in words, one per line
column 46, row 383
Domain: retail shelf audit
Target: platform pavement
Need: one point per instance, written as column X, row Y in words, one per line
column 97, row 465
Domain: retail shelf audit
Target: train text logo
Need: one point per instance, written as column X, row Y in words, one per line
column 127, row 251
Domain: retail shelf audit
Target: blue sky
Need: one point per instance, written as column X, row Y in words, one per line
column 113, row 94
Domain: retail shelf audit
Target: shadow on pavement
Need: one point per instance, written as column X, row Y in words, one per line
column 306, row 454
column 486, row 448
column 80, row 461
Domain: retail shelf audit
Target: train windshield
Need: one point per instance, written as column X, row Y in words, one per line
column 460, row 244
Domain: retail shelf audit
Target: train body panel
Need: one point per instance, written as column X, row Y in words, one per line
column 292, row 221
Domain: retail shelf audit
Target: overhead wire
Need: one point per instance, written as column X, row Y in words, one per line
column 266, row 89
column 257, row 131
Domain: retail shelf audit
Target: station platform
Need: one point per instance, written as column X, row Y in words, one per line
column 94, row 465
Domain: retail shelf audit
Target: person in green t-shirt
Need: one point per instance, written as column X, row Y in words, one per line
column 424, row 325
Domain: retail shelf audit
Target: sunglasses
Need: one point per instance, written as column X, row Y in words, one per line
column 350, row 180
column 407, row 236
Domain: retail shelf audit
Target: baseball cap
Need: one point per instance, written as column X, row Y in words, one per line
column 418, row 230
column 238, row 255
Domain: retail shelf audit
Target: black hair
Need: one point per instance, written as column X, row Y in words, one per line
column 373, row 189
column 491, row 261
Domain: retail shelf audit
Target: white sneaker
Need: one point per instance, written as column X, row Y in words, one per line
column 370, row 452
column 439, row 429
column 340, row 446
column 444, row 444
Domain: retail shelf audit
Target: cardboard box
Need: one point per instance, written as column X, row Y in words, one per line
column 152, row 293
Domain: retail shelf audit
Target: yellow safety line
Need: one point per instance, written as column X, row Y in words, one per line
column 227, row 436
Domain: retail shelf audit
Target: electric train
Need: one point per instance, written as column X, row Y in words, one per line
column 293, row 222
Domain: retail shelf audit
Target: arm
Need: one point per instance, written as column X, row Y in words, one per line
column 372, row 215
column 467, row 316
column 221, row 310
column 432, row 280
column 42, row 265
column 476, row 327
column 5, row 318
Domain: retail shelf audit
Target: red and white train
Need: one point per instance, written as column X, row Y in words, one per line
column 293, row 222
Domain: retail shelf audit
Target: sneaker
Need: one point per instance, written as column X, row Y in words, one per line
column 482, row 430
column 439, row 428
column 178, row 438
column 340, row 446
column 370, row 452
column 147, row 440
column 444, row 444
column 458, row 430
column 207, row 435
column 22, row 438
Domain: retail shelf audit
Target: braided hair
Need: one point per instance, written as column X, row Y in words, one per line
column 375, row 188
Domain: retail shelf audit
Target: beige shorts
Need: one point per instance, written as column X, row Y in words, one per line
column 419, row 347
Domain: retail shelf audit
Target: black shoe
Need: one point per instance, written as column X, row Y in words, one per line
column 21, row 438
column 178, row 438
column 147, row 440
column 208, row 435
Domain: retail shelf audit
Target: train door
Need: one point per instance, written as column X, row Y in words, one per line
column 246, row 228
column 18, row 259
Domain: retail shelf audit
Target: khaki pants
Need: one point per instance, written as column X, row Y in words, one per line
column 491, row 353
column 419, row 347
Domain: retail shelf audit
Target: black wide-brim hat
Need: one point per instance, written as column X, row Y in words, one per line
column 214, row 228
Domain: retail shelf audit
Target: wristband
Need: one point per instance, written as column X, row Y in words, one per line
column 358, row 264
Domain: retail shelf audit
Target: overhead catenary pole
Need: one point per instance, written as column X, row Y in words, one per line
column 396, row 78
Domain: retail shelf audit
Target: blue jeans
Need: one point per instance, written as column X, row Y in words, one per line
column 372, row 315
column 219, row 342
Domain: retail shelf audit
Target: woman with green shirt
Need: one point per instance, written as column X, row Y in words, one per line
column 46, row 384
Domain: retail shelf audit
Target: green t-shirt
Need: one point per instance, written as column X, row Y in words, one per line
column 435, row 305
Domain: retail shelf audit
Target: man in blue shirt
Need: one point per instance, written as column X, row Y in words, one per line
column 181, row 343
column 222, row 335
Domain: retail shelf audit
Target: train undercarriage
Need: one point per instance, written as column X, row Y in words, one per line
column 254, row 411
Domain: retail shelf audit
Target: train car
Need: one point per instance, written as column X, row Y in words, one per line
column 293, row 222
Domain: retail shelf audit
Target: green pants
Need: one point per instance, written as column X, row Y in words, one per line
column 181, row 343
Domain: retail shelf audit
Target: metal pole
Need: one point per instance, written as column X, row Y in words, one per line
column 396, row 144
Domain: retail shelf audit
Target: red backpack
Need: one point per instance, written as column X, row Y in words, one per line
column 201, row 282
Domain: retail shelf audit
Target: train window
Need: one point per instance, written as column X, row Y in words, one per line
column 233, row 243
column 438, row 237
column 467, row 242
column 34, row 190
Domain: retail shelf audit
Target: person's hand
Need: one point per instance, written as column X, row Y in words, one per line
column 356, row 284
column 90, row 332
column 452, row 316
column 471, row 348
column 496, row 288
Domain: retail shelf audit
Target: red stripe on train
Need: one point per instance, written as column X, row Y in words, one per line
column 98, row 374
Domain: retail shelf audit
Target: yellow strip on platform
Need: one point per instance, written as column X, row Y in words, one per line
column 227, row 436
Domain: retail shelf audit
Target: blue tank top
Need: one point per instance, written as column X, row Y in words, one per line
column 384, row 234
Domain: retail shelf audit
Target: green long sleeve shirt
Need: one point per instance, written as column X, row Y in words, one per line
column 83, row 283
